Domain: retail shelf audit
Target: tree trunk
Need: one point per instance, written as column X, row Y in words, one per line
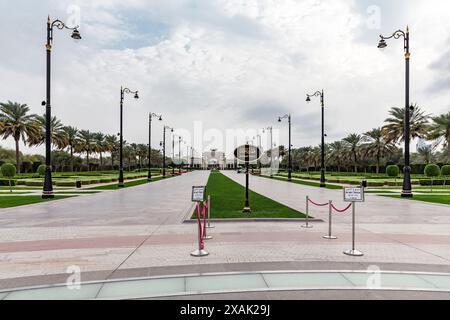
column 112, row 162
column 378, row 164
column 87, row 160
column 17, row 156
column 101, row 162
column 71, row 158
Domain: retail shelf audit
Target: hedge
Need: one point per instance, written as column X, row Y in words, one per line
column 427, row 182
column 5, row 182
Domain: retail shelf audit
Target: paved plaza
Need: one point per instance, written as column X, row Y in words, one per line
column 139, row 232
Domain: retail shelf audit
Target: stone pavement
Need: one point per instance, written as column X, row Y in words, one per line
column 127, row 233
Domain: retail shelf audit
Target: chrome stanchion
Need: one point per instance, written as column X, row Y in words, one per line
column 209, row 214
column 330, row 213
column 353, row 252
column 306, row 225
column 201, row 252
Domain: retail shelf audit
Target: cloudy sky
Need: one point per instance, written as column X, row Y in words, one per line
column 231, row 64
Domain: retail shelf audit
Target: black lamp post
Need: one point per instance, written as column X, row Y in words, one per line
column 123, row 91
column 322, row 163
column 288, row 116
column 48, row 185
column 179, row 155
column 164, row 148
column 151, row 115
column 407, row 187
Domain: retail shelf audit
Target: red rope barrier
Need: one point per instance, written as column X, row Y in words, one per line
column 318, row 204
column 341, row 211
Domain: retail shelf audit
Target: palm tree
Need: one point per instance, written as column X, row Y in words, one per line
column 142, row 153
column 99, row 146
column 425, row 153
column 376, row 146
column 353, row 142
column 394, row 128
column 86, row 144
column 112, row 146
column 440, row 129
column 17, row 123
column 71, row 141
column 58, row 134
column 337, row 154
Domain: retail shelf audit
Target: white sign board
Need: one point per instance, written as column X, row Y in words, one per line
column 354, row 194
column 198, row 194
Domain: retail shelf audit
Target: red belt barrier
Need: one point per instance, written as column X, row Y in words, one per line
column 201, row 229
column 341, row 211
column 318, row 204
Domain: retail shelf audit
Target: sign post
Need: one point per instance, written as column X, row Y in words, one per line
column 198, row 196
column 354, row 195
column 247, row 154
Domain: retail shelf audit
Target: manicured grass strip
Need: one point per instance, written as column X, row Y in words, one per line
column 307, row 183
column 9, row 202
column 228, row 198
column 127, row 184
column 77, row 192
column 432, row 199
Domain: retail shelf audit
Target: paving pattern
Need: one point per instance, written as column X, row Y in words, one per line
column 133, row 231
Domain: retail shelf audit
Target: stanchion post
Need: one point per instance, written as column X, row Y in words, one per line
column 201, row 252
column 209, row 214
column 307, row 226
column 353, row 252
column 205, row 236
column 330, row 214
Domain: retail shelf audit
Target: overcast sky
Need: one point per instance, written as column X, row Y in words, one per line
column 232, row 64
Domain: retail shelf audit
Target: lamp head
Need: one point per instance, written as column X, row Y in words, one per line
column 279, row 119
column 76, row 35
column 160, row 118
column 136, row 96
column 382, row 44
column 308, row 99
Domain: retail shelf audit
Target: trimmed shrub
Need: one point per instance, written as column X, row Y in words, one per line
column 5, row 182
column 393, row 171
column 445, row 172
column 34, row 183
column 8, row 170
column 429, row 182
column 432, row 171
column 65, row 183
column 41, row 170
column 375, row 183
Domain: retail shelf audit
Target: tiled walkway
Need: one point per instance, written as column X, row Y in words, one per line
column 116, row 233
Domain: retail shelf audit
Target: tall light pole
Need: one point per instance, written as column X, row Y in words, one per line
column 407, row 187
column 288, row 116
column 164, row 148
column 123, row 91
column 179, row 154
column 48, row 184
column 322, row 162
column 270, row 129
column 150, row 142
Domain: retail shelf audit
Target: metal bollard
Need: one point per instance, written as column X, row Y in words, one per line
column 330, row 213
column 353, row 252
column 209, row 214
column 307, row 226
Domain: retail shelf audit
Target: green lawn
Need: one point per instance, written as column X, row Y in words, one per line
column 127, row 184
column 427, row 198
column 9, row 202
column 307, row 183
column 228, row 198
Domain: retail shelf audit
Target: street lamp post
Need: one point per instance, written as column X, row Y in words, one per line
column 322, row 163
column 288, row 116
column 164, row 148
column 179, row 155
column 150, row 142
column 407, row 187
column 270, row 129
column 123, row 91
column 48, row 184
column 192, row 157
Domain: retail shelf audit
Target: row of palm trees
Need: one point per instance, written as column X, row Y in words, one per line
column 17, row 122
column 381, row 145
